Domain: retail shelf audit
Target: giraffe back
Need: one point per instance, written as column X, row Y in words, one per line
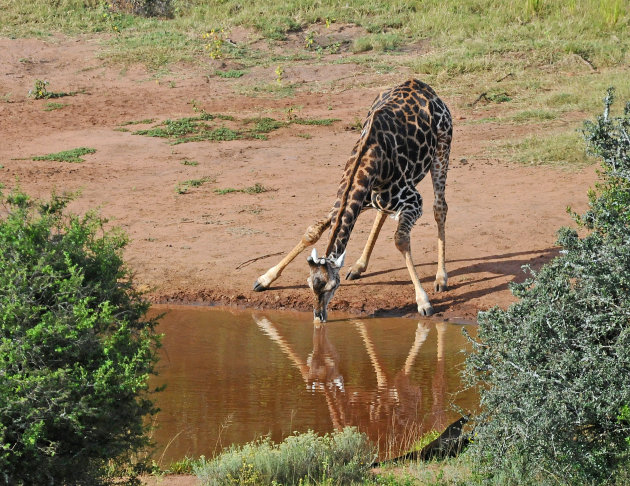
column 406, row 124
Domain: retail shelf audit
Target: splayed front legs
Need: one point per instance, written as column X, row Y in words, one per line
column 312, row 234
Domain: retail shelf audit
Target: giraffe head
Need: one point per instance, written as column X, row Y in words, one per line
column 323, row 281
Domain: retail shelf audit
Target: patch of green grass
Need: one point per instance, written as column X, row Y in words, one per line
column 231, row 73
column 51, row 106
column 146, row 121
column 73, row 155
column 271, row 89
column 172, row 128
column 377, row 42
column 315, row 121
column 183, row 187
column 196, row 129
column 192, row 163
column 528, row 116
column 255, row 189
column 307, row 136
column 227, row 190
column 265, row 124
column 221, row 134
column 121, row 129
column 561, row 100
column 563, row 149
column 191, row 129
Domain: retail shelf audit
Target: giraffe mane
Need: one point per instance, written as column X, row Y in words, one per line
column 344, row 198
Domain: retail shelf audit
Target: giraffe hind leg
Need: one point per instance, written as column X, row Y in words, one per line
column 439, row 169
column 310, row 237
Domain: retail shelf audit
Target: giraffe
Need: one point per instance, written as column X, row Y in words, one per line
column 407, row 133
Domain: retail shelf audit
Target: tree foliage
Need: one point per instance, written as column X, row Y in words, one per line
column 75, row 349
column 554, row 369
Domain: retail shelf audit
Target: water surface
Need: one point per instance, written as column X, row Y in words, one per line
column 234, row 376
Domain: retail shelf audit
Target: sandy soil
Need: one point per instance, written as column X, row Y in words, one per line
column 190, row 247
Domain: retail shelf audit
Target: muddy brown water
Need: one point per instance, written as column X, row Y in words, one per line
column 235, row 376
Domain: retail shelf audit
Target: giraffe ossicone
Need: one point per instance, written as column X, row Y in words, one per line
column 407, row 133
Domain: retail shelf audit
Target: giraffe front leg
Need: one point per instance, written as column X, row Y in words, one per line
column 310, row 237
column 361, row 264
column 401, row 238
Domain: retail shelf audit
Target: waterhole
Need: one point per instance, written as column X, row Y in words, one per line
column 235, row 376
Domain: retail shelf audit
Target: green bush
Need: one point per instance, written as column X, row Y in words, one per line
column 554, row 369
column 343, row 457
column 75, row 349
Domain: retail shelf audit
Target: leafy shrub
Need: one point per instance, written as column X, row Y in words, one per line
column 75, row 349
column 342, row 457
column 554, row 369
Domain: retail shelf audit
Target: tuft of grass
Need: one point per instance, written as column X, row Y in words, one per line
column 315, row 121
column 73, row 155
column 40, row 91
column 183, row 466
column 221, row 134
column 192, row 163
column 51, row 106
column 377, row 42
column 562, row 100
column 183, row 187
column 273, row 89
column 255, row 189
column 342, row 457
column 527, row 116
column 265, row 124
column 146, row 121
column 231, row 73
column 425, row 440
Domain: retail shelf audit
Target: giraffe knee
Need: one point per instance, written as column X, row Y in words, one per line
column 402, row 242
column 312, row 234
column 440, row 208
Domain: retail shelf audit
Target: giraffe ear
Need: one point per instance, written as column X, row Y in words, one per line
column 339, row 261
column 313, row 257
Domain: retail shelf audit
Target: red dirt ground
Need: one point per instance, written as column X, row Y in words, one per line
column 188, row 247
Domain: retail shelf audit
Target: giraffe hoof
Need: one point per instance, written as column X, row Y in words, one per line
column 258, row 287
column 353, row 276
column 440, row 287
column 426, row 310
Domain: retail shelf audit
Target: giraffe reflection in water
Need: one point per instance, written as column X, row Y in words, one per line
column 392, row 413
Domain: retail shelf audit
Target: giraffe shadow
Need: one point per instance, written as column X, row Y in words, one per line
column 492, row 260
column 498, row 266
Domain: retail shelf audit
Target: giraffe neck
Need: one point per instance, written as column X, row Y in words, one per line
column 350, row 201
column 353, row 190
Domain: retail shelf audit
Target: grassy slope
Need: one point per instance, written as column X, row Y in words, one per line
column 560, row 56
